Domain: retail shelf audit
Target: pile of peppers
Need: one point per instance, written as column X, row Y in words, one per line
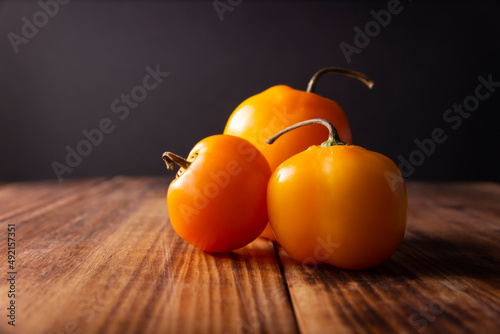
column 285, row 169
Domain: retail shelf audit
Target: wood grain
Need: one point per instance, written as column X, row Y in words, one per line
column 106, row 260
column 99, row 256
column 445, row 278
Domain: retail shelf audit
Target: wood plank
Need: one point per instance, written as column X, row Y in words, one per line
column 106, row 260
column 35, row 197
column 443, row 279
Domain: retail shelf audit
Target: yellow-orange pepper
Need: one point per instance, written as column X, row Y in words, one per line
column 338, row 204
column 217, row 202
column 262, row 115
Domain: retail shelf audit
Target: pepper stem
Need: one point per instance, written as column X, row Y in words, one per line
column 171, row 159
column 333, row 137
column 337, row 70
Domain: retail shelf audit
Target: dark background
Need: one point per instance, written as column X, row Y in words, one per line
column 66, row 77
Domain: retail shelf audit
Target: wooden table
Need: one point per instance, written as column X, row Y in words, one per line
column 99, row 256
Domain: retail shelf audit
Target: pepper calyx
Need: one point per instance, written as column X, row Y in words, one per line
column 330, row 143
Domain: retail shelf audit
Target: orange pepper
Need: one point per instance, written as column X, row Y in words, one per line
column 217, row 202
column 337, row 203
column 260, row 116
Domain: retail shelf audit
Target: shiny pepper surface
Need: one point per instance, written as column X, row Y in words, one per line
column 217, row 202
column 340, row 204
column 262, row 115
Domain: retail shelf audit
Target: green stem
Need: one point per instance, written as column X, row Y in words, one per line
column 337, row 70
column 333, row 137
